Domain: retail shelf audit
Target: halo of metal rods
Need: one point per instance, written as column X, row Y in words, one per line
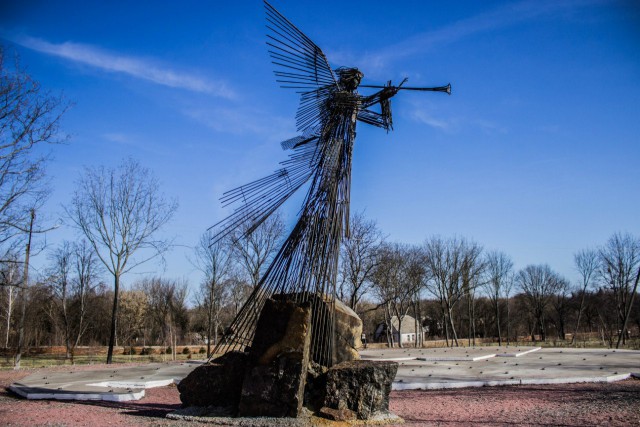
column 306, row 266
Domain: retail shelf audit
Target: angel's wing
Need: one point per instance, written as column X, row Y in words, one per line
column 259, row 199
column 300, row 64
column 310, row 134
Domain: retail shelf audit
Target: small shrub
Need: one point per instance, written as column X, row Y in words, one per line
column 146, row 351
column 186, row 350
column 168, row 350
column 202, row 350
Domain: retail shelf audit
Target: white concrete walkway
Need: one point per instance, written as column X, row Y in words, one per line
column 489, row 366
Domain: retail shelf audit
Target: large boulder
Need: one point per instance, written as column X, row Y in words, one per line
column 279, row 357
column 215, row 384
column 363, row 386
column 348, row 333
column 348, row 328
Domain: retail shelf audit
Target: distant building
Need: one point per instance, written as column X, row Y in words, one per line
column 407, row 334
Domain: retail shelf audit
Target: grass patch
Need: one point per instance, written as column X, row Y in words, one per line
column 50, row 360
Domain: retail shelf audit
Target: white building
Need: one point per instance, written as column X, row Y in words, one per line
column 405, row 334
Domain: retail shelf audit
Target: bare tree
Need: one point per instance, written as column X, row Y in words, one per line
column 386, row 281
column 443, row 272
column 166, row 300
column 120, row 212
column 214, row 261
column 24, row 289
column 72, row 277
column 358, row 259
column 28, row 230
column 620, row 269
column 538, row 283
column 11, row 279
column 59, row 280
column 398, row 274
column 586, row 262
column 498, row 269
column 87, row 271
column 508, row 286
column 416, row 276
column 453, row 271
column 560, row 302
column 29, row 118
column 471, row 275
column 255, row 249
column 239, row 291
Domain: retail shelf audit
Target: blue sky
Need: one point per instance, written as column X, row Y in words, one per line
column 535, row 153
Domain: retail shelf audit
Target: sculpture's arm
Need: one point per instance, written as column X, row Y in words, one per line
column 383, row 119
column 380, row 97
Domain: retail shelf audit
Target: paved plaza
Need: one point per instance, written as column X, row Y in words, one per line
column 490, row 366
column 116, row 384
column 418, row 369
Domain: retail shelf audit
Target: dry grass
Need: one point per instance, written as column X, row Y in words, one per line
column 43, row 357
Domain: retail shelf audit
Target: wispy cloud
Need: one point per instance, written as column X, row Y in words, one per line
column 489, row 127
column 504, row 16
column 457, row 124
column 430, row 114
column 133, row 142
column 136, row 67
column 427, row 118
column 118, row 137
column 242, row 121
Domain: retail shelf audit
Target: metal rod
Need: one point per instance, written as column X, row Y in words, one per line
column 446, row 88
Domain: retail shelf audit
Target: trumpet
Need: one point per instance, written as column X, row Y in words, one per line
column 446, row 89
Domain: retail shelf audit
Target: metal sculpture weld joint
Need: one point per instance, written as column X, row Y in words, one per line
column 306, row 265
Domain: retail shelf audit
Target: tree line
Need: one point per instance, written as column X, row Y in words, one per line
column 453, row 288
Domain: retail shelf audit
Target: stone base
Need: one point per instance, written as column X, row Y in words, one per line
column 277, row 379
column 273, row 390
column 279, row 358
column 362, row 386
column 212, row 416
column 218, row 383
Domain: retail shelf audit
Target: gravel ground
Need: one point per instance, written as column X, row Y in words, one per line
column 595, row 404
column 615, row 404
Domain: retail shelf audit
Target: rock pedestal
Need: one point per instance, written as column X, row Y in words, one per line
column 276, row 377
column 279, row 357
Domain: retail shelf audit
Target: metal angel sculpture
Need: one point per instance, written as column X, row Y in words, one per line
column 306, row 265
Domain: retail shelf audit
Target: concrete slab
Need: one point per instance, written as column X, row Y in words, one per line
column 418, row 369
column 527, row 366
column 113, row 384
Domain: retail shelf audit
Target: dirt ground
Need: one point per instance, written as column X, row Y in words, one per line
column 615, row 404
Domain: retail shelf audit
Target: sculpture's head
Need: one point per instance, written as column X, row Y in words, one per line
column 350, row 78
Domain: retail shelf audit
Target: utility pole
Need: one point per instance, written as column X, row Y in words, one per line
column 23, row 293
